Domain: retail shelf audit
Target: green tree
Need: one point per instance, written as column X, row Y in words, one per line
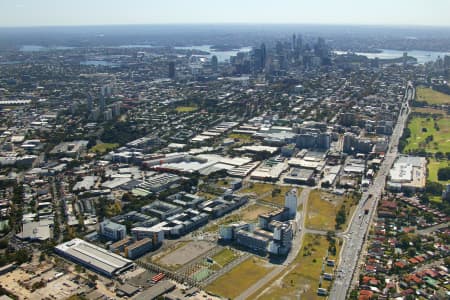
column 433, row 188
column 411, row 251
column 3, row 244
column 42, row 257
column 447, row 261
column 444, row 174
column 22, row 256
column 340, row 217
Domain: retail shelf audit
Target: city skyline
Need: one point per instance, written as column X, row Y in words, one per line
column 28, row 13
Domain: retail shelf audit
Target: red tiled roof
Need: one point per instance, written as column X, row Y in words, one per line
column 420, row 258
column 370, row 268
column 407, row 292
column 366, row 293
column 413, row 260
column 389, row 204
column 431, row 273
column 414, row 278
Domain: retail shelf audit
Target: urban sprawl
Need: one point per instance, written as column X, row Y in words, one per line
column 281, row 171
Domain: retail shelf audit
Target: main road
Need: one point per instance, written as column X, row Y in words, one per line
column 357, row 230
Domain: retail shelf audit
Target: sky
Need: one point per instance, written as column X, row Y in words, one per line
column 24, row 13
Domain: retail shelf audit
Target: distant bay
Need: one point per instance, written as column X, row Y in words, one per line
column 221, row 55
column 422, row 56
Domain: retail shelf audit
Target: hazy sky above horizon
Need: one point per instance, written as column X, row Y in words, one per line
column 103, row 12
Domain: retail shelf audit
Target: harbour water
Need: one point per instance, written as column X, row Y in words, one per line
column 422, row 56
column 98, row 63
column 221, row 55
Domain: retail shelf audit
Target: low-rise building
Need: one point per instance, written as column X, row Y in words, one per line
column 408, row 173
column 139, row 248
column 93, row 257
column 112, row 231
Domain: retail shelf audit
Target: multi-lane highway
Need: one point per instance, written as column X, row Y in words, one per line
column 357, row 231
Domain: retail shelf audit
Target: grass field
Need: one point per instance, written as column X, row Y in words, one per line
column 104, row 147
column 202, row 274
column 186, row 109
column 422, row 127
column 214, row 226
column 432, row 96
column 302, row 276
column 433, row 167
column 207, row 196
column 436, row 199
column 258, row 188
column 252, row 212
column 243, row 138
column 248, row 214
column 224, row 257
column 224, row 182
column 240, row 278
column 264, row 192
column 323, row 207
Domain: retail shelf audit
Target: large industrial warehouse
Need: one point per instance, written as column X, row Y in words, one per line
column 93, row 257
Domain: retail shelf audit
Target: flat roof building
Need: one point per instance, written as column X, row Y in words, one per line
column 139, row 248
column 93, row 257
column 112, row 231
column 408, row 173
column 299, row 176
column 162, row 210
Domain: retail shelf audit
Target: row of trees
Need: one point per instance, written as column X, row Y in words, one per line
column 16, row 208
column 341, row 217
column 403, row 139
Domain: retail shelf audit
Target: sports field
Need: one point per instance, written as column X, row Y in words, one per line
column 186, row 109
column 104, row 147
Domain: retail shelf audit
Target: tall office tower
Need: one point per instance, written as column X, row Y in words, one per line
column 299, row 45
column 106, row 90
column 294, row 42
column 116, row 109
column 257, row 60
column 172, row 69
column 290, row 202
column 108, row 115
column 214, row 63
column 447, row 61
column 102, row 103
column 89, row 102
column 279, row 48
column 320, row 48
column 405, row 59
column 263, row 55
column 349, row 142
